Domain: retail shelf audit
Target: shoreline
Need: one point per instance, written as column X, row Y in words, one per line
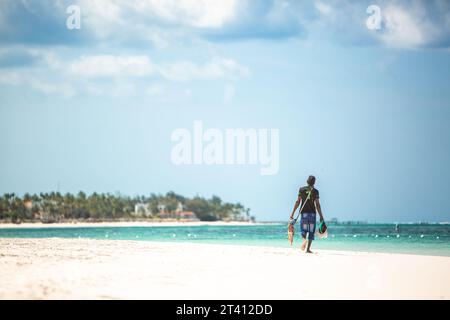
column 30, row 225
column 101, row 269
column 187, row 242
column 245, row 245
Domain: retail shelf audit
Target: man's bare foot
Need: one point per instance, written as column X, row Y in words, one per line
column 309, row 251
column 303, row 245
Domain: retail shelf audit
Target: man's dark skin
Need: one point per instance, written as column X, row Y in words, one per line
column 318, row 210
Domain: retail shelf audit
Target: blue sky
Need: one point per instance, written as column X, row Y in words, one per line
column 366, row 111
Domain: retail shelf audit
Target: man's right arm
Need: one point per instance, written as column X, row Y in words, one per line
column 297, row 204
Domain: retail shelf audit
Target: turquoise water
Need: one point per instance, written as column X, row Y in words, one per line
column 432, row 239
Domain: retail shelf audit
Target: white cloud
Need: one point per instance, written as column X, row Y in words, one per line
column 101, row 17
column 161, row 23
column 115, row 75
column 215, row 69
column 141, row 65
column 408, row 24
column 112, row 66
column 64, row 90
column 323, row 8
column 156, row 22
column 405, row 24
column 10, row 78
column 38, row 80
column 150, row 22
column 192, row 13
column 405, row 28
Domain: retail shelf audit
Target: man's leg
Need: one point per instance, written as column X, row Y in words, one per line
column 308, row 250
column 312, row 229
column 303, row 244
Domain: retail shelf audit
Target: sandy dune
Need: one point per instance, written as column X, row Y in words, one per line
column 105, row 269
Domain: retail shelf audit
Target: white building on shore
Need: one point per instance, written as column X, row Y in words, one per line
column 142, row 209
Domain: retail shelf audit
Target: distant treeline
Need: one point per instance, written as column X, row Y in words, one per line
column 57, row 207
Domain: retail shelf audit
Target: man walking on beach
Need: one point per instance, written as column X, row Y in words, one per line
column 308, row 197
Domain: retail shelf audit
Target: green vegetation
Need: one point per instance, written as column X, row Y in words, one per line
column 55, row 207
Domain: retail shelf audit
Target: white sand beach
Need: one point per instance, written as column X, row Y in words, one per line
column 76, row 224
column 114, row 269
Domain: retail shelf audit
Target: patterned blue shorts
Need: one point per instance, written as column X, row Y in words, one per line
column 308, row 225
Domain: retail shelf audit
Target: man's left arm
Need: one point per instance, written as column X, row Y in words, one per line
column 319, row 208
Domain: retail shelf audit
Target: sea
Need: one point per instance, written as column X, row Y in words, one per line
column 424, row 239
